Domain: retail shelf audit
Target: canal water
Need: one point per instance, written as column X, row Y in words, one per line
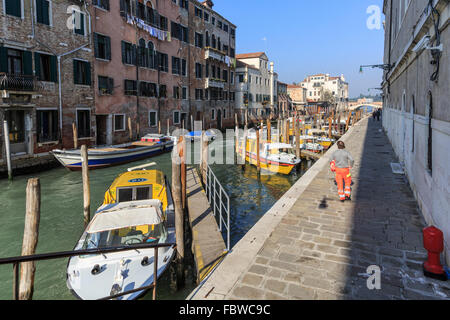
column 61, row 222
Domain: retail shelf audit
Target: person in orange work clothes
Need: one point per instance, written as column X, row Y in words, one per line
column 343, row 164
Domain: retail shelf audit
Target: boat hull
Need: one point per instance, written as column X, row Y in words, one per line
column 72, row 159
column 270, row 165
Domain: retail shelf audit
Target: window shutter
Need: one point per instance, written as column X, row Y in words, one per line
column 13, row 8
column 110, row 85
column 87, row 66
column 134, row 55
column 3, row 59
column 27, row 63
column 75, row 72
column 108, row 47
column 96, row 53
column 45, row 12
column 124, row 54
column 53, row 69
column 122, row 8
column 37, row 65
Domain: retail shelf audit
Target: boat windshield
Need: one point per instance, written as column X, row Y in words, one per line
column 153, row 234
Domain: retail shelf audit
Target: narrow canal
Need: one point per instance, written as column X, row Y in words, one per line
column 61, row 222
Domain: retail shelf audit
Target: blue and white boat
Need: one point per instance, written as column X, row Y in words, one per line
column 101, row 157
column 197, row 135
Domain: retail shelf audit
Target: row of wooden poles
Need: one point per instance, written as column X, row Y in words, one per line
column 284, row 128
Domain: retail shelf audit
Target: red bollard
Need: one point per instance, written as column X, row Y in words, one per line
column 433, row 242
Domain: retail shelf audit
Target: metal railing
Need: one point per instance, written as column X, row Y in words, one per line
column 15, row 261
column 17, row 82
column 219, row 201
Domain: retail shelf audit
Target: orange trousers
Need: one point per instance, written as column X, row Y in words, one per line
column 341, row 179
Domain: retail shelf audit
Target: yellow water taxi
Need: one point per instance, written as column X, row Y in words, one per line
column 272, row 157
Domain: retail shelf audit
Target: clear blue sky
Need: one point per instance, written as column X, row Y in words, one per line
column 306, row 37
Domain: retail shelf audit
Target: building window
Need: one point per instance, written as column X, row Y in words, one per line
column 176, row 93
column 45, row 67
column 105, row 85
column 47, row 125
column 213, row 114
column 81, row 72
column 13, row 7
column 225, row 75
column 153, row 118
column 128, row 53
column 184, row 93
column 198, row 12
column 198, row 70
column 183, row 67
column 119, row 122
column 184, row 4
column 102, row 46
column 241, row 78
column 163, row 91
column 151, row 55
column 104, row 4
column 147, row 89
column 206, row 16
column 78, row 20
column 198, row 40
column 163, row 60
column 130, row 87
column 176, row 65
column 198, row 94
column 43, row 11
column 84, row 123
column 176, row 117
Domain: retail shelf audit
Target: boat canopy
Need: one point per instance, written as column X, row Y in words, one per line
column 125, row 215
column 273, row 146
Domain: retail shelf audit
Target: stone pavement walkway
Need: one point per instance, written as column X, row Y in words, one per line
column 321, row 248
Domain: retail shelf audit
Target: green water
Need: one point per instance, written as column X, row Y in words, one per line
column 61, row 222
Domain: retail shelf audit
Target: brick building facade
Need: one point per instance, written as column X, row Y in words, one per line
column 45, row 75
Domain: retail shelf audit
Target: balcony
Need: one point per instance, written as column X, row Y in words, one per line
column 242, row 87
column 18, row 82
column 211, row 53
column 214, row 83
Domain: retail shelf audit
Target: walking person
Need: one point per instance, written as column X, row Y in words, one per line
column 343, row 163
column 378, row 114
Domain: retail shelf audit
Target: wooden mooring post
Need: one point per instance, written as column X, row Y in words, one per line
column 183, row 156
column 269, row 131
column 29, row 243
column 258, row 160
column 75, row 135
column 244, row 148
column 179, row 213
column 130, row 128
column 7, row 149
column 86, row 185
column 205, row 153
column 297, row 138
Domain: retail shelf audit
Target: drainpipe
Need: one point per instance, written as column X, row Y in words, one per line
column 32, row 19
column 58, row 57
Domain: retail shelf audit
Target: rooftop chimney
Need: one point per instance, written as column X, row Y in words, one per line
column 208, row 3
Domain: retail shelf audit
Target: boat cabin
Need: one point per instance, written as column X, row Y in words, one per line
column 138, row 185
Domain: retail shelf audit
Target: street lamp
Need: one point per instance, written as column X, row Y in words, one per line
column 385, row 67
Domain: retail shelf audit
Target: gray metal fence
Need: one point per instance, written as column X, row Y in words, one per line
column 219, row 201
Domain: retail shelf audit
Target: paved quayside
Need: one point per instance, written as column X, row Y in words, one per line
column 312, row 246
